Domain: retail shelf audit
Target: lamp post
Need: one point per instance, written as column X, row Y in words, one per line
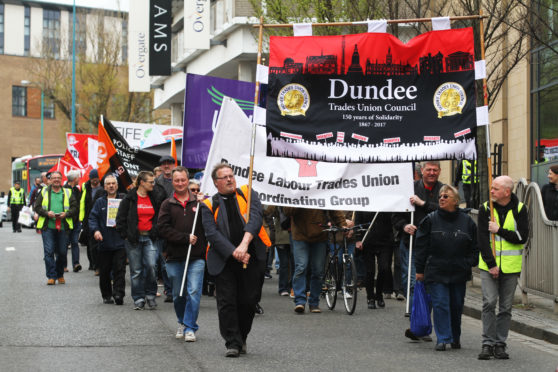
column 28, row 83
column 74, row 67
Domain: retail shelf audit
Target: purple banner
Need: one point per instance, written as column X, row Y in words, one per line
column 202, row 102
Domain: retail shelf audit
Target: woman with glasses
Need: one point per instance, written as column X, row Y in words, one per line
column 549, row 194
column 446, row 249
column 136, row 222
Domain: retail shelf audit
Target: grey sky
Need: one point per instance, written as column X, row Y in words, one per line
column 122, row 5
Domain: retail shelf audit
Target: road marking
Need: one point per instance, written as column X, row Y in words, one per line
column 10, row 249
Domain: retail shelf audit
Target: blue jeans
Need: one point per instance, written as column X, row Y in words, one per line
column 305, row 254
column 404, row 256
column 187, row 307
column 74, row 235
column 142, row 258
column 286, row 267
column 161, row 260
column 447, row 308
column 55, row 246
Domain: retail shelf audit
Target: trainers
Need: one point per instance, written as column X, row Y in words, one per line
column 299, row 309
column 486, row 352
column 61, row 281
column 108, row 300
column 151, row 303
column 500, row 352
column 284, row 293
column 315, row 309
column 51, row 282
column 400, row 297
column 140, row 305
column 232, row 353
column 77, row 268
column 190, row 337
column 347, row 294
column 259, row 309
column 180, row 331
column 268, row 276
column 387, row 296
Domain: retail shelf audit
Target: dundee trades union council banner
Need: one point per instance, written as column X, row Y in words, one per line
column 371, row 98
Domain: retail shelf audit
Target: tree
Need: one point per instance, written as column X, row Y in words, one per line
column 510, row 27
column 101, row 78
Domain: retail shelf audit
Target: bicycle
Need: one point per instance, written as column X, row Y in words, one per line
column 347, row 282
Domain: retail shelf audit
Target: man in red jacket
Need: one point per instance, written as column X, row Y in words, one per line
column 176, row 219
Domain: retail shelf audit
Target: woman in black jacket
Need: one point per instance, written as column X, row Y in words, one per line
column 446, row 249
column 136, row 222
column 549, row 194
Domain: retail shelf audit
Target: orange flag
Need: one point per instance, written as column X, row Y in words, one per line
column 173, row 151
column 105, row 152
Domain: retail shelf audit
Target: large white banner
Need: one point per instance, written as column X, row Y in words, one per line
column 142, row 135
column 196, row 24
column 305, row 183
column 138, row 47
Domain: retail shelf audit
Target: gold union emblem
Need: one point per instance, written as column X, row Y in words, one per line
column 293, row 100
column 449, row 99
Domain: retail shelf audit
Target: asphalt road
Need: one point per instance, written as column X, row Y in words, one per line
column 67, row 327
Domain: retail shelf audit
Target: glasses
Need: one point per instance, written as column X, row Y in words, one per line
column 225, row 178
column 445, row 196
column 195, row 190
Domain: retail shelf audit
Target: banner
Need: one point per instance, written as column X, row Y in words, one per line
column 196, row 24
column 202, row 101
column 108, row 161
column 112, row 211
column 371, row 98
column 143, row 135
column 305, row 183
column 160, row 22
column 78, row 145
column 133, row 159
column 138, row 47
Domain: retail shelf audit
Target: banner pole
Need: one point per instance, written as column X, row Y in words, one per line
column 369, row 227
column 407, row 310
column 253, row 142
column 489, row 158
column 189, row 250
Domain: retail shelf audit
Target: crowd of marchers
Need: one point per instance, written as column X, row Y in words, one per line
column 225, row 245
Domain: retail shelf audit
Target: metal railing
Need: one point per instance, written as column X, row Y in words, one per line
column 539, row 274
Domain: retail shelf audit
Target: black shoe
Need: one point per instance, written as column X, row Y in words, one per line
column 118, row 300
column 371, row 304
column 211, row 290
column 232, row 353
column 411, row 335
column 77, row 268
column 381, row 303
column 168, row 299
column 486, row 352
column 268, row 276
column 259, row 309
column 440, row 347
column 140, row 305
column 19, row 230
column 108, row 300
column 500, row 352
column 456, row 345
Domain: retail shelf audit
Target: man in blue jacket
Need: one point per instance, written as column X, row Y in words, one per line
column 112, row 253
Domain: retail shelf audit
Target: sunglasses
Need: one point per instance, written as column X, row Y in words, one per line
column 195, row 190
column 445, row 196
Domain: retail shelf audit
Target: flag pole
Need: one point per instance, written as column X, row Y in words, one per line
column 409, row 263
column 489, row 159
column 253, row 142
column 189, row 250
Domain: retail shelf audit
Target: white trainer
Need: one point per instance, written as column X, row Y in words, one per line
column 190, row 337
column 180, row 331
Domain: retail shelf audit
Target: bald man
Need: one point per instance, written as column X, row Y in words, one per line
column 499, row 274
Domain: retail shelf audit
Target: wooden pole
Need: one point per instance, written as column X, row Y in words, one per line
column 489, row 159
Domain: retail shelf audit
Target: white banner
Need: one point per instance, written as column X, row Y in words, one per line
column 141, row 135
column 196, row 24
column 138, row 47
column 305, row 183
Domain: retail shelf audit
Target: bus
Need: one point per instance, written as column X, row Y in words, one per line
column 27, row 168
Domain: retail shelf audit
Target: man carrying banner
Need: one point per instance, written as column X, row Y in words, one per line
column 111, row 258
column 55, row 207
column 499, row 274
column 88, row 191
column 425, row 201
column 16, row 201
column 234, row 243
column 177, row 217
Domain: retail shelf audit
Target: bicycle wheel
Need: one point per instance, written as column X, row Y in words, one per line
column 349, row 284
column 330, row 282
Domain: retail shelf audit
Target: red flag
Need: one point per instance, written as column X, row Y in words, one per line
column 105, row 152
column 173, row 151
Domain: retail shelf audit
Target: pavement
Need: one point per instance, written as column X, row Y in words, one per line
column 67, row 327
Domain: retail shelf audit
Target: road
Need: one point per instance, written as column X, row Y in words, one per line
column 67, row 327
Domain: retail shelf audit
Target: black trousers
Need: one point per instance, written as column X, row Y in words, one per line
column 115, row 262
column 380, row 255
column 92, row 253
column 238, row 291
column 16, row 208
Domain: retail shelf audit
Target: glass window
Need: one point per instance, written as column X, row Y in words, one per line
column 124, row 40
column 27, row 31
column 51, row 32
column 19, row 101
column 81, row 33
column 2, row 28
column 48, row 109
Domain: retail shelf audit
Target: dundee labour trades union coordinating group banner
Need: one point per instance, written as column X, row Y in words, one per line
column 304, row 183
column 371, row 98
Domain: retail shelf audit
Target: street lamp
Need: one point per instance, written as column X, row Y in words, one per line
column 29, row 83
